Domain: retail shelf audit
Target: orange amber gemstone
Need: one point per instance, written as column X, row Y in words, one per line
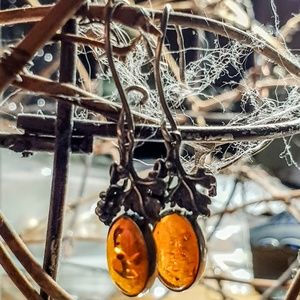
column 180, row 251
column 127, row 256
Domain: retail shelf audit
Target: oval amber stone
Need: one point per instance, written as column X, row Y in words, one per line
column 180, row 258
column 127, row 256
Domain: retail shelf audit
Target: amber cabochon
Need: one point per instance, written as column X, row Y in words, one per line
column 130, row 255
column 181, row 252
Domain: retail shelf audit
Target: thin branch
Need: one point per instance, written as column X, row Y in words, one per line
column 13, row 62
column 17, row 276
column 23, row 15
column 231, row 96
column 86, row 238
column 243, row 206
column 256, row 282
column 136, row 17
column 290, row 27
column 120, row 51
column 294, row 290
column 284, row 277
column 25, row 257
column 74, row 95
column 221, row 215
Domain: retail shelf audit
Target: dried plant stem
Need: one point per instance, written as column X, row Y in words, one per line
column 229, row 97
column 262, row 178
column 74, row 95
column 256, row 282
column 243, row 206
column 294, row 290
column 24, row 15
column 141, row 18
column 121, row 51
column 135, row 17
column 12, row 63
column 17, row 276
column 291, row 26
column 20, row 250
column 284, row 277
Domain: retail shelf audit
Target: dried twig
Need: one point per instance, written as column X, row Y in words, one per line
column 229, row 97
column 12, row 63
column 20, row 250
column 294, row 290
column 290, row 27
column 284, row 277
column 28, row 234
column 256, row 282
column 74, row 95
column 17, row 276
column 121, row 51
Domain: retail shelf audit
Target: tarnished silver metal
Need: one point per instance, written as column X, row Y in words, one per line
column 147, row 197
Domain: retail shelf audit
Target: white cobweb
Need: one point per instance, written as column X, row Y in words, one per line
column 281, row 103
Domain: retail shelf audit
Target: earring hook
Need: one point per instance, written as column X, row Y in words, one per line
column 125, row 137
column 157, row 75
column 108, row 48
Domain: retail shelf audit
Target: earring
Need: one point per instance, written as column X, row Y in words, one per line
column 177, row 241
column 181, row 251
column 130, row 246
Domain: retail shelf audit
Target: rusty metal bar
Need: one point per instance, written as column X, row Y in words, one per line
column 26, row 144
column 63, row 132
column 146, row 132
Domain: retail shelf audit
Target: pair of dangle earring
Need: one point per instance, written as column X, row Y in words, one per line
column 158, row 233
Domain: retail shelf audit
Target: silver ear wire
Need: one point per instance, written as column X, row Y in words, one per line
column 158, row 80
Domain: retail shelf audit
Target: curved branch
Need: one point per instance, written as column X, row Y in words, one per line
column 73, row 38
column 141, row 18
column 75, row 95
column 25, row 257
column 294, row 289
column 17, row 276
column 23, row 15
column 12, row 62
